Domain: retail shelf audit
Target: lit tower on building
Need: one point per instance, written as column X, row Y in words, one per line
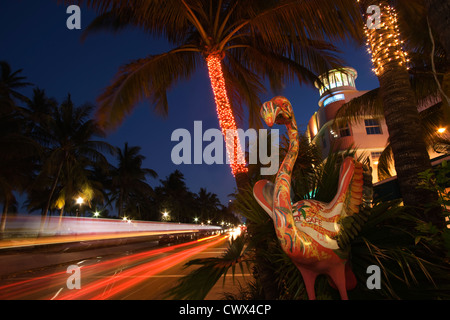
column 368, row 135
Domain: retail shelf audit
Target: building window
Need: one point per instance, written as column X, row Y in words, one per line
column 372, row 126
column 345, row 79
column 344, row 131
column 333, row 98
column 375, row 157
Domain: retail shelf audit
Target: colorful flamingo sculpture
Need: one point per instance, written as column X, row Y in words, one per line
column 311, row 232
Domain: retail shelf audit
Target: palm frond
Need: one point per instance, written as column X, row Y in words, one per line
column 409, row 271
column 197, row 284
column 158, row 73
column 367, row 104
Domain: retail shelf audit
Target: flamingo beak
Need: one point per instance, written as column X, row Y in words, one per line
column 268, row 114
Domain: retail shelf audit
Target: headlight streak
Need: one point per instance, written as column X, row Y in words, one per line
column 134, row 275
column 24, row 288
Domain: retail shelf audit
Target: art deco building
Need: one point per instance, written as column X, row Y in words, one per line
column 369, row 135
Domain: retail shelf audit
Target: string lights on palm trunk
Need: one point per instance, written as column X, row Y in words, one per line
column 384, row 42
column 225, row 114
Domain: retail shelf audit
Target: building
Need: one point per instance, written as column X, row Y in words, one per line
column 369, row 135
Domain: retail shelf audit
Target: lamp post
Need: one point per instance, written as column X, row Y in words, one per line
column 79, row 201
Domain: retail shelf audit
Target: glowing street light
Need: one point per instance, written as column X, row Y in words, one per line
column 96, row 214
column 79, row 201
column 441, row 130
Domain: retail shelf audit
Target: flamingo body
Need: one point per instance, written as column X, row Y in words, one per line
column 308, row 230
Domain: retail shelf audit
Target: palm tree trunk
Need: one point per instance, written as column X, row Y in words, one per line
column 438, row 15
column 5, row 211
column 439, row 22
column 226, row 120
column 61, row 213
column 401, row 114
column 52, row 191
column 120, row 203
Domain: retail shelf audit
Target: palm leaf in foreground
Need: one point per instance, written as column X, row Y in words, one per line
column 197, row 284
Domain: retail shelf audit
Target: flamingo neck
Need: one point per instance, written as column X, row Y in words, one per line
column 282, row 191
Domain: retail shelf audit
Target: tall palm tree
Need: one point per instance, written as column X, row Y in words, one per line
column 129, row 178
column 242, row 44
column 208, row 204
column 10, row 82
column 174, row 197
column 18, row 150
column 400, row 108
column 69, row 152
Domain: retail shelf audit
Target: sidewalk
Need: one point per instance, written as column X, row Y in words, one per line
column 220, row 291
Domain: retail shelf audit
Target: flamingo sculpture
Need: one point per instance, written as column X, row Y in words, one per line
column 311, row 232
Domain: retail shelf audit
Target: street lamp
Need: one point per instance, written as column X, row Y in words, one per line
column 196, row 219
column 96, row 214
column 165, row 215
column 79, row 201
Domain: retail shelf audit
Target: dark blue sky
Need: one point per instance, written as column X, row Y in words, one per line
column 34, row 37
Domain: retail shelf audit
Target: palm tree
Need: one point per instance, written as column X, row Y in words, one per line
column 10, row 82
column 208, row 205
column 18, row 150
column 69, row 153
column 129, row 179
column 242, row 44
column 400, row 109
column 174, row 197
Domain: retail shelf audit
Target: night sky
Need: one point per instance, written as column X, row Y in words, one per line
column 34, row 37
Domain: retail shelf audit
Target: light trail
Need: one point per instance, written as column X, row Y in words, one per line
column 134, row 275
column 19, row 289
column 70, row 229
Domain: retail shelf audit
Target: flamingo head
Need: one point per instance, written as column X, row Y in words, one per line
column 278, row 110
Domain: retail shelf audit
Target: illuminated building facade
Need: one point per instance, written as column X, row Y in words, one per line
column 368, row 136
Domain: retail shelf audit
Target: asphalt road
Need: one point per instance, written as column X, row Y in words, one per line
column 141, row 271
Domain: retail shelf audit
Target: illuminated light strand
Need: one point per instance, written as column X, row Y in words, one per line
column 225, row 114
column 384, row 44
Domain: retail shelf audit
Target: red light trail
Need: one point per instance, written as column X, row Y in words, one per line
column 113, row 284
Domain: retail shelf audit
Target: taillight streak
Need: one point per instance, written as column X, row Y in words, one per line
column 151, row 268
column 17, row 289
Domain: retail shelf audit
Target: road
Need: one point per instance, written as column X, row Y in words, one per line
column 133, row 272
